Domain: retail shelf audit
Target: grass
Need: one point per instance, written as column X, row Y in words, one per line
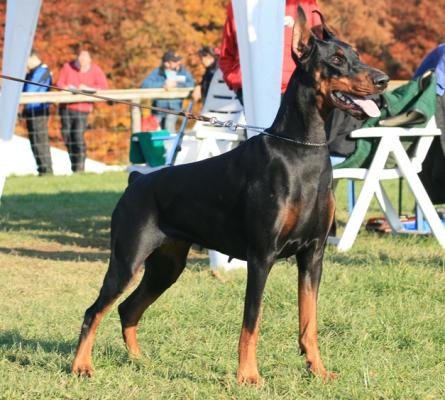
column 381, row 312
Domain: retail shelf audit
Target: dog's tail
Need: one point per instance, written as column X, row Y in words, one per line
column 133, row 176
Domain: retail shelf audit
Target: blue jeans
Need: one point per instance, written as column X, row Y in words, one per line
column 167, row 121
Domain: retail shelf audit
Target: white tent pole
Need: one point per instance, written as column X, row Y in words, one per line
column 21, row 22
column 260, row 36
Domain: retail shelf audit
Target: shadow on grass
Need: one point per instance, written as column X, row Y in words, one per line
column 22, row 351
column 56, row 255
column 25, row 352
column 69, row 218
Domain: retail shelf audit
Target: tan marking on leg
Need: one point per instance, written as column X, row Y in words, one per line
column 82, row 364
column 131, row 341
column 129, row 331
column 248, row 370
column 307, row 300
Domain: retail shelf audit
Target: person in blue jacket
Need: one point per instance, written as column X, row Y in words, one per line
column 169, row 75
column 36, row 114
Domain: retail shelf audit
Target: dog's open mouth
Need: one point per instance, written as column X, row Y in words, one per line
column 357, row 106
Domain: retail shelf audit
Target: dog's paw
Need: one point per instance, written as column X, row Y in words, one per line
column 82, row 370
column 320, row 371
column 251, row 377
column 330, row 376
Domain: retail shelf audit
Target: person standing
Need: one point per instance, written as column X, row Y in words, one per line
column 229, row 60
column 36, row 114
column 169, row 75
column 209, row 59
column 80, row 74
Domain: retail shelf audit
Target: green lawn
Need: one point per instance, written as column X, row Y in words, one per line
column 381, row 311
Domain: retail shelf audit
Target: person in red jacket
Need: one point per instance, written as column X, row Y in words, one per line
column 80, row 74
column 229, row 60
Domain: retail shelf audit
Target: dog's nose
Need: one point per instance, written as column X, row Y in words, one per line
column 381, row 81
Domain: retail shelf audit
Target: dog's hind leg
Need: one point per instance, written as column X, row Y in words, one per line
column 127, row 255
column 162, row 269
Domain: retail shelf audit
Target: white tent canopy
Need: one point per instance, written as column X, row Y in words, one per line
column 21, row 22
column 260, row 35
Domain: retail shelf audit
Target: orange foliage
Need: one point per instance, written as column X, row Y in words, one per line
column 392, row 35
column 128, row 37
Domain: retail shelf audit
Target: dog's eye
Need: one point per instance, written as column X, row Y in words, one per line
column 337, row 60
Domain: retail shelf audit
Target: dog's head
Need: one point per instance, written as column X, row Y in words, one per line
column 340, row 78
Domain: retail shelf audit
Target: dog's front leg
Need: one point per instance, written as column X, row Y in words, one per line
column 309, row 274
column 257, row 273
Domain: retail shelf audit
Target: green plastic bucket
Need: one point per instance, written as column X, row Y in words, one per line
column 145, row 149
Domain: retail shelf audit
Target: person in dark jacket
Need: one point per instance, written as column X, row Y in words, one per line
column 36, row 114
column 209, row 59
column 169, row 75
column 433, row 168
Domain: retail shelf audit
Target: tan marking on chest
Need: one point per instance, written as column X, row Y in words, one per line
column 289, row 217
column 331, row 208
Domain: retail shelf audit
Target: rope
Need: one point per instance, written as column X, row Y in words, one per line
column 185, row 114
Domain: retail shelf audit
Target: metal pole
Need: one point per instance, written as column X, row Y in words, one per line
column 176, row 147
column 136, row 117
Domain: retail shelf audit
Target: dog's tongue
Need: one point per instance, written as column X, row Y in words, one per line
column 368, row 106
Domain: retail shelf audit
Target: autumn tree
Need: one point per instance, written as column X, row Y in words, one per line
column 418, row 29
column 392, row 35
column 128, row 37
column 366, row 24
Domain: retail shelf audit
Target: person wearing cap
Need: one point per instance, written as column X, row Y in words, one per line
column 36, row 114
column 169, row 75
column 209, row 58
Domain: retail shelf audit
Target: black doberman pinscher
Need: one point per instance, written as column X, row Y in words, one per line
column 268, row 198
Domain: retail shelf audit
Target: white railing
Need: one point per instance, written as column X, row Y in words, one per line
column 133, row 95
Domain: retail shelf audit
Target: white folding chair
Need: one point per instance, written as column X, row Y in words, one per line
column 406, row 166
column 221, row 103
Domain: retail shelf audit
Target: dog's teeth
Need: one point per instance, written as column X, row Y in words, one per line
column 341, row 97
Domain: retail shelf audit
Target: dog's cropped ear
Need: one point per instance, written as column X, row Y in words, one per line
column 302, row 37
column 323, row 32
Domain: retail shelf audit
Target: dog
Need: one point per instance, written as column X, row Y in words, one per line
column 269, row 198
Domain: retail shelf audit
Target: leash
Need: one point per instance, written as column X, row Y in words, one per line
column 213, row 121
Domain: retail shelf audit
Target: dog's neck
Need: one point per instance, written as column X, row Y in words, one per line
column 299, row 117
